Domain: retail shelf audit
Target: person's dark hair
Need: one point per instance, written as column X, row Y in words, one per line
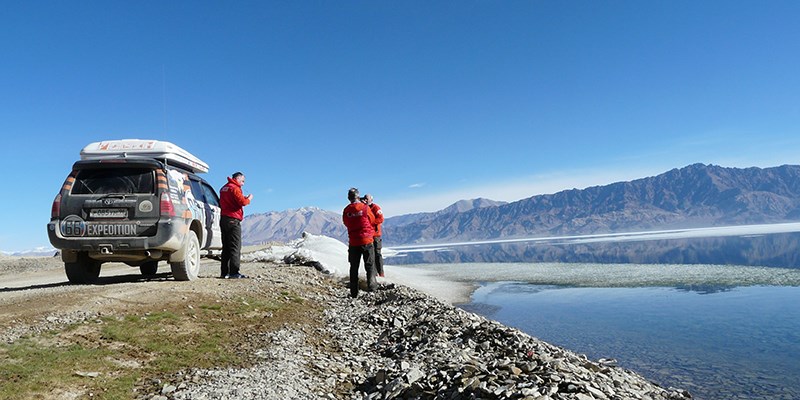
column 352, row 194
column 236, row 175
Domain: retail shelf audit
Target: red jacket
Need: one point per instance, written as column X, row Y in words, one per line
column 358, row 219
column 231, row 200
column 376, row 211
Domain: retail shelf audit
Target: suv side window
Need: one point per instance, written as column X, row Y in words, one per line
column 211, row 195
column 197, row 191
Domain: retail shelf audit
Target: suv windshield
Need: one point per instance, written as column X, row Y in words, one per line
column 114, row 181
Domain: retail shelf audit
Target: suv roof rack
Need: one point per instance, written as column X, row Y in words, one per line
column 157, row 149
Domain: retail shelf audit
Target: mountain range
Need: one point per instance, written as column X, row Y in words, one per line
column 44, row 251
column 284, row 226
column 694, row 196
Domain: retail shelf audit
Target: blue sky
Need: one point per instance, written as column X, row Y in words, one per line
column 419, row 103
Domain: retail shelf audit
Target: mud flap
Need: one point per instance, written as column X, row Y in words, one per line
column 69, row 256
column 180, row 254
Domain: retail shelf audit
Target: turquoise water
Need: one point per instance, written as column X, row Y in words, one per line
column 717, row 341
column 721, row 332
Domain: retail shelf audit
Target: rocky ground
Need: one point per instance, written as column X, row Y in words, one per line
column 392, row 343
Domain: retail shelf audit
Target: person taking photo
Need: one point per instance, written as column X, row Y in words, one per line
column 377, row 241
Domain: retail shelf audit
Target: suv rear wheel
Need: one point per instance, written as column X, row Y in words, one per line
column 83, row 271
column 189, row 268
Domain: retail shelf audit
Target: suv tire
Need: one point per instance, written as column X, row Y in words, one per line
column 83, row 271
column 189, row 268
column 149, row 268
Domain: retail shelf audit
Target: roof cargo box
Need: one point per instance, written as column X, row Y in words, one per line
column 160, row 150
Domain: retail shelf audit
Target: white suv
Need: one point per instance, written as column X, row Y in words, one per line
column 137, row 202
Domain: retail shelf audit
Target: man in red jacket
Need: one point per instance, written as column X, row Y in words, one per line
column 231, row 201
column 359, row 220
column 377, row 241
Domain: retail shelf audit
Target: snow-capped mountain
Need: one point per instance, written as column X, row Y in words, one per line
column 289, row 225
column 41, row 251
column 283, row 226
column 455, row 208
column 693, row 196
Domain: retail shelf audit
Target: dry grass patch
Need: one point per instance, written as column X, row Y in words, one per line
column 107, row 358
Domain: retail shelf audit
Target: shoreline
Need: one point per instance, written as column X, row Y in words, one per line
column 430, row 282
column 400, row 342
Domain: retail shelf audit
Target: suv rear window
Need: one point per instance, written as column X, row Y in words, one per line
column 114, row 181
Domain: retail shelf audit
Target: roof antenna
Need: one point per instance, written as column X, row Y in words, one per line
column 164, row 94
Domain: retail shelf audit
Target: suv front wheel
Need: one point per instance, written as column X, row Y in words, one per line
column 83, row 271
column 189, row 268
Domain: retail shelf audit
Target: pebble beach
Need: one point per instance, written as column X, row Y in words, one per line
column 401, row 343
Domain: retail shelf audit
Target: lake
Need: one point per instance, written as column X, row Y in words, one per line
column 721, row 332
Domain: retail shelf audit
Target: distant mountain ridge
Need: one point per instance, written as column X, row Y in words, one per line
column 283, row 226
column 455, row 208
column 694, row 196
column 37, row 252
column 697, row 195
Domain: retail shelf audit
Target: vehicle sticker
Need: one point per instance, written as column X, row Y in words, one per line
column 73, row 225
column 146, row 206
column 111, row 230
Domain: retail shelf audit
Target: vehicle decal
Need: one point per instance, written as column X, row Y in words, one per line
column 118, row 145
column 182, row 196
column 162, row 180
column 68, row 183
column 111, row 230
column 187, row 191
column 75, row 226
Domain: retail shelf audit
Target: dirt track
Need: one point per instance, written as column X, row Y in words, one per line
column 35, row 297
column 35, row 294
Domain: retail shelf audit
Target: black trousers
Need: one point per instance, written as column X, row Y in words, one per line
column 231, row 245
column 354, row 255
column 378, row 243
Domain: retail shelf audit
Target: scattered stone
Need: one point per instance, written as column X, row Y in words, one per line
column 168, row 389
column 398, row 343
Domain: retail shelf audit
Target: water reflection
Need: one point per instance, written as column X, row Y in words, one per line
column 697, row 277
column 704, row 289
column 770, row 250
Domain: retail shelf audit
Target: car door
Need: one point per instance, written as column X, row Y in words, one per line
column 209, row 207
column 214, row 215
